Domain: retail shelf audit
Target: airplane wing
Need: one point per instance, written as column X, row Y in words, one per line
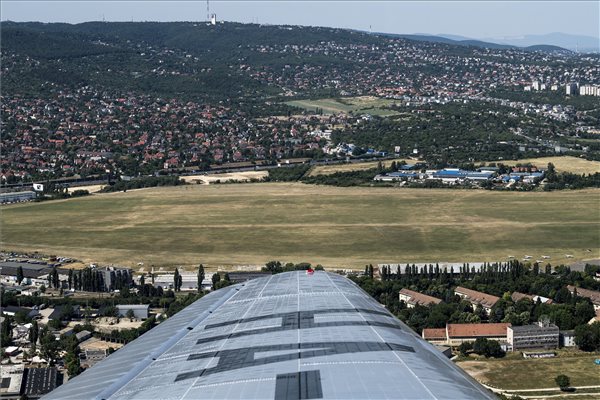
column 286, row 336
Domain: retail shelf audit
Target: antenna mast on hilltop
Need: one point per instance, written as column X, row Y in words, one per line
column 207, row 10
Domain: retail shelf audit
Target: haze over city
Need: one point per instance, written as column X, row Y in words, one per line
column 486, row 20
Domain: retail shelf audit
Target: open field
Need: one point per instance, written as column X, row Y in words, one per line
column 508, row 373
column 358, row 105
column 222, row 225
column 568, row 164
column 89, row 188
column 230, row 176
column 97, row 344
column 332, row 169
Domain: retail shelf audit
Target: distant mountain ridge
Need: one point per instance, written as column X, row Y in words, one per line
column 580, row 43
column 461, row 41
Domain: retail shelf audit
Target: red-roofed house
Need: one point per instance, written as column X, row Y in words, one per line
column 476, row 298
column 435, row 335
column 412, row 298
column 593, row 295
column 516, row 296
column 459, row 333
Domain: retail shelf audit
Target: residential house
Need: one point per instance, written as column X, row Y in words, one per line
column 435, row 335
column 476, row 298
column 412, row 298
column 593, row 295
column 566, row 338
column 460, row 333
column 516, row 296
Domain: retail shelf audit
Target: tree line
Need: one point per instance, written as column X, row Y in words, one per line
column 568, row 311
column 143, row 182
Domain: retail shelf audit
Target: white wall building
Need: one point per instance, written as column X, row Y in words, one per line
column 589, row 90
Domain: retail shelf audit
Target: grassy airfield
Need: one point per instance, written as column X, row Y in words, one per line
column 508, row 373
column 333, row 168
column 562, row 164
column 243, row 224
column 358, row 105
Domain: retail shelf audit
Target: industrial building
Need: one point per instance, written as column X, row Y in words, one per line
column 567, row 338
column 39, row 381
column 11, row 379
column 292, row 335
column 450, row 176
column 33, row 274
column 17, row 382
column 66, row 312
column 455, row 175
column 398, row 176
column 12, row 310
column 542, row 335
column 16, row 197
column 91, row 357
column 140, row 311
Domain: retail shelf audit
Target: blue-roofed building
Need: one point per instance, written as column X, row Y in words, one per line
column 525, row 177
column 479, row 176
column 533, row 176
column 511, row 177
column 455, row 175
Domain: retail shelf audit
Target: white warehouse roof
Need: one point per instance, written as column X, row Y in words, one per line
column 286, row 336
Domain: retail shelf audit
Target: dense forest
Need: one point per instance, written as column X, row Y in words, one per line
column 116, row 56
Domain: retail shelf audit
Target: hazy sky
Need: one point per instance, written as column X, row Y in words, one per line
column 478, row 19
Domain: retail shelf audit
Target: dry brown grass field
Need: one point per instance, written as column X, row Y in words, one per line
column 89, row 188
column 358, row 105
column 226, row 177
column 508, row 373
column 223, row 225
column 567, row 163
column 331, row 169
